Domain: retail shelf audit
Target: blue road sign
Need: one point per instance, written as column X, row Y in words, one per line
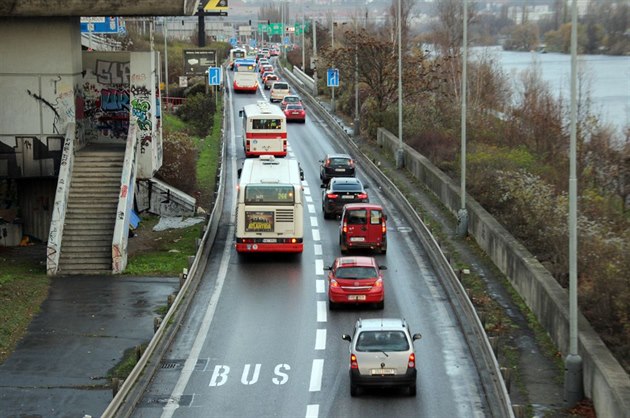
column 233, row 41
column 252, row 43
column 286, row 40
column 103, row 24
column 214, row 76
column 332, row 77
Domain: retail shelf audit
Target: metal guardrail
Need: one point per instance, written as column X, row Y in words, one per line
column 138, row 380
column 482, row 353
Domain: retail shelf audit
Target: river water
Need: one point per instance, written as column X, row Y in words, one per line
column 607, row 78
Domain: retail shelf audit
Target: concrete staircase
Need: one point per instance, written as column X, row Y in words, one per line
column 86, row 246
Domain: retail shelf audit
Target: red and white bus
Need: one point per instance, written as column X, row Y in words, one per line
column 245, row 76
column 264, row 130
column 270, row 206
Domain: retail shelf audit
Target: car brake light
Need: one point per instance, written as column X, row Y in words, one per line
column 351, row 163
column 412, row 361
column 362, row 196
column 379, row 283
column 332, row 195
column 333, row 283
column 383, row 227
column 327, row 163
column 345, row 228
column 353, row 362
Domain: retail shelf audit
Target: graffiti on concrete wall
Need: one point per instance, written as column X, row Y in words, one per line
column 30, row 156
column 107, row 100
column 141, row 110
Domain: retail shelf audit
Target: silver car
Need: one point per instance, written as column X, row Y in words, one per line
column 382, row 354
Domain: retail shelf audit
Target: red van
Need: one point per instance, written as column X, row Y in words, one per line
column 363, row 225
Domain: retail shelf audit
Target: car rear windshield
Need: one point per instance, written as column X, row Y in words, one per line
column 382, row 341
column 294, row 107
column 291, row 99
column 281, row 86
column 355, row 272
column 357, row 217
column 339, row 162
column 345, row 187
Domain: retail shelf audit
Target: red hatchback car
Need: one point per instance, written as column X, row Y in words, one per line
column 355, row 280
column 295, row 112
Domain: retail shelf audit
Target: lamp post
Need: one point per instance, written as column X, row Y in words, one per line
column 400, row 153
column 573, row 386
column 332, row 47
column 462, row 214
column 315, row 89
column 356, row 123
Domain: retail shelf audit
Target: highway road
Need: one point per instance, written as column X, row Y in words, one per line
column 259, row 341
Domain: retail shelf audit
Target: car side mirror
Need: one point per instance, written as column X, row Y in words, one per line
column 238, row 172
column 417, row 336
column 240, row 113
column 384, row 217
column 346, row 337
column 323, row 186
column 329, row 268
column 367, row 186
column 382, row 267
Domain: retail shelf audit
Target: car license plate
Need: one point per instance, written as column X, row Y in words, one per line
column 270, row 240
column 382, row 372
column 295, row 113
column 357, row 239
column 340, row 170
column 356, row 297
column 347, row 196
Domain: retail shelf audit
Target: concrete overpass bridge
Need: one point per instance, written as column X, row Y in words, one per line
column 67, row 114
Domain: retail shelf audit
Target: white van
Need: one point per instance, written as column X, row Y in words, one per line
column 279, row 89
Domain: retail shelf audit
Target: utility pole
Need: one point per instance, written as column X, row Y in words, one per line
column 462, row 214
column 315, row 89
column 400, row 152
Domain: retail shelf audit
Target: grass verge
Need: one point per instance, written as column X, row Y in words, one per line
column 23, row 288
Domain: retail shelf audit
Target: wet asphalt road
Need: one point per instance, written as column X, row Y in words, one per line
column 60, row 368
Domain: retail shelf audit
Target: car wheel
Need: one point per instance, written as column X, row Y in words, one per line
column 326, row 214
column 380, row 305
column 412, row 390
column 384, row 249
column 354, row 390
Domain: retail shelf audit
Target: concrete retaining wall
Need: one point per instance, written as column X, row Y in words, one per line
column 605, row 381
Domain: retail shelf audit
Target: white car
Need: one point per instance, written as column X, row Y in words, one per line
column 382, row 354
column 279, row 89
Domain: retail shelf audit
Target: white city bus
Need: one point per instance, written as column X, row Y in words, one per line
column 270, row 206
column 236, row 53
column 245, row 77
column 264, row 130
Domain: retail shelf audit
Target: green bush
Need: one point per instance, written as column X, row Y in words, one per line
column 198, row 112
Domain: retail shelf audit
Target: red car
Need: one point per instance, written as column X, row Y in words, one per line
column 355, row 280
column 295, row 112
column 290, row 99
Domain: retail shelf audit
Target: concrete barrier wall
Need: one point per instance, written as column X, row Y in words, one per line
column 605, row 381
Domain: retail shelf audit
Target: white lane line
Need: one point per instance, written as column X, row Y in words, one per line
column 321, row 311
column 316, row 375
column 315, row 234
column 314, row 223
column 318, row 249
column 307, row 190
column 189, row 366
column 312, row 411
column 320, row 339
column 319, row 267
column 311, row 208
column 320, row 286
column 308, row 199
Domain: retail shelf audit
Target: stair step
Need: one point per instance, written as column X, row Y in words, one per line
column 86, row 258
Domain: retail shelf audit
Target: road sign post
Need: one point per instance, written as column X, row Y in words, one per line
column 332, row 81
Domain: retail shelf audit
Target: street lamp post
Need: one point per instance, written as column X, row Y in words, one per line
column 356, row 122
column 573, row 386
column 332, row 47
column 462, row 214
column 315, row 89
column 400, row 153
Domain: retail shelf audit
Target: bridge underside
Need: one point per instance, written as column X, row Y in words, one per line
column 43, row 8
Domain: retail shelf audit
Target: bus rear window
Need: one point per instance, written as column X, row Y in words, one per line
column 264, row 194
column 266, row 123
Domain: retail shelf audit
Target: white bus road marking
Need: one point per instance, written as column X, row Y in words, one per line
column 320, row 286
column 320, row 339
column 311, row 208
column 316, row 375
column 312, row 411
column 315, row 234
column 319, row 267
column 318, row 249
column 314, row 223
column 321, row 311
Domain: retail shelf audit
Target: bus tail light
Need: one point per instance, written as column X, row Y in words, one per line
column 247, row 145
